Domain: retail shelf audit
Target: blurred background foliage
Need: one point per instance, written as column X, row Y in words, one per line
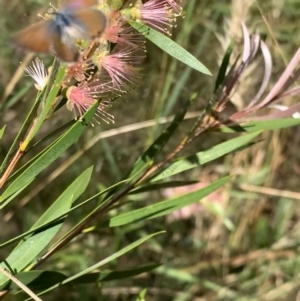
column 243, row 243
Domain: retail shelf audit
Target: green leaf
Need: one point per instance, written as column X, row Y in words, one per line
column 155, row 186
column 29, row 120
column 179, row 275
column 57, row 149
column 73, row 191
column 147, row 159
column 170, row 47
column 37, row 279
column 223, row 68
column 186, row 163
column 142, row 295
column 57, row 211
column 114, row 275
column 263, row 125
column 41, row 279
column 30, row 247
column 30, row 162
column 17, row 96
column 156, row 147
column 7, row 201
column 56, row 76
column 2, row 131
column 165, row 207
column 102, row 262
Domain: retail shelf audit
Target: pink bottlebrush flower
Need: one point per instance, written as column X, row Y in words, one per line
column 121, row 67
column 125, row 36
column 78, row 71
column 82, row 97
column 158, row 14
column 39, row 74
column 176, row 7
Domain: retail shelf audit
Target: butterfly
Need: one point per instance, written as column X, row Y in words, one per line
column 76, row 20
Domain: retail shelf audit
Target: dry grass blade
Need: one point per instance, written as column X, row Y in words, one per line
column 17, row 76
column 271, row 191
column 267, row 74
column 288, row 72
column 20, row 285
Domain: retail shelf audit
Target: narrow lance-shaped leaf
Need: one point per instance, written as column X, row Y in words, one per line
column 41, row 279
column 165, row 207
column 161, row 185
column 2, row 132
column 114, row 275
column 18, row 172
column 51, row 154
column 170, row 47
column 26, row 252
column 196, row 160
column 49, row 216
column 36, row 280
column 223, row 68
column 261, row 125
column 102, row 262
column 59, row 74
column 155, row 148
column 13, row 196
column 26, row 125
column 142, row 295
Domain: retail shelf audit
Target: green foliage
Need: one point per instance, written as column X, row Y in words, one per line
column 42, row 161
column 89, row 228
column 2, row 131
column 170, row 47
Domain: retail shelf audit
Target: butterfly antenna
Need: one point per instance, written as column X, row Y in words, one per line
column 41, row 16
column 53, row 9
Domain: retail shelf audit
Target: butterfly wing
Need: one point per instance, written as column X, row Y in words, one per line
column 50, row 36
column 35, row 38
column 84, row 23
column 93, row 21
column 77, row 3
column 66, row 52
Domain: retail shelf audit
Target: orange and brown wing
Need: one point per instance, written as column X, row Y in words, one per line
column 64, row 51
column 35, row 38
column 77, row 3
column 93, row 21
